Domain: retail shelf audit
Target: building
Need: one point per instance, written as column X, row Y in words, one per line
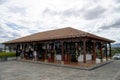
column 1, row 47
column 65, row 45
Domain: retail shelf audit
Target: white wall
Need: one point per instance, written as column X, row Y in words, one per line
column 58, row 57
column 88, row 57
column 80, row 58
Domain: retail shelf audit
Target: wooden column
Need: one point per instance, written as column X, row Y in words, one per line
column 33, row 46
column 101, row 52
column 77, row 51
column 94, row 51
column 45, row 54
column 17, row 47
column 106, row 52
column 84, row 50
column 62, row 52
column 110, row 51
column 23, row 46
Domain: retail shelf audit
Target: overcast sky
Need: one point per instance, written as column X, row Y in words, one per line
column 24, row 17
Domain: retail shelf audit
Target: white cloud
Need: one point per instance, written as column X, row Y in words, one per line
column 30, row 16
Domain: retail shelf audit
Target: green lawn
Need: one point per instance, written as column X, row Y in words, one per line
column 7, row 54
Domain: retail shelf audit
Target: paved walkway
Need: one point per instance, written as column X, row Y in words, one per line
column 15, row 70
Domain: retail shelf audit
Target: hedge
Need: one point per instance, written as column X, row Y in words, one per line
column 7, row 54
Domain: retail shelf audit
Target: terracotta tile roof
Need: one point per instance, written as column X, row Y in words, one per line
column 57, row 34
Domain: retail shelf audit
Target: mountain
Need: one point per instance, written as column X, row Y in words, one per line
column 116, row 45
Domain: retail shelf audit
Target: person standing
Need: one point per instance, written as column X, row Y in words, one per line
column 35, row 55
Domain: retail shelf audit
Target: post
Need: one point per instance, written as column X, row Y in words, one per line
column 106, row 52
column 101, row 52
column 62, row 50
column 24, row 46
column 94, row 51
column 84, row 50
column 110, row 51
column 45, row 59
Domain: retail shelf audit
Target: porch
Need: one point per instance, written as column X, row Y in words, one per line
column 74, row 47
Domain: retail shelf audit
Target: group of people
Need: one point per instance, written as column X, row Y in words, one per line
column 28, row 54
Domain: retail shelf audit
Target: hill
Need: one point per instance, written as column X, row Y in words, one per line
column 116, row 45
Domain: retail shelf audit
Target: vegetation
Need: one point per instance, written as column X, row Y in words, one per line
column 115, row 50
column 7, row 54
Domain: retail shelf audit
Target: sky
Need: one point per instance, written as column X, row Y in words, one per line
column 19, row 18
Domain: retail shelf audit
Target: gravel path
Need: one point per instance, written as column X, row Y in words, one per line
column 15, row 70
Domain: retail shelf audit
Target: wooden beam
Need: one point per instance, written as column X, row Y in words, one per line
column 84, row 50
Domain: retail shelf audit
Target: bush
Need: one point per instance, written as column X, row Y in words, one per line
column 7, row 54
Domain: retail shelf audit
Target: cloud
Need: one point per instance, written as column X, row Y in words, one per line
column 94, row 13
column 68, row 12
column 14, row 26
column 20, row 18
column 3, row 1
column 118, row 1
column 15, row 9
column 115, row 24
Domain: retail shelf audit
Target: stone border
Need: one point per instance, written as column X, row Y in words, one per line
column 68, row 66
column 100, row 65
column 7, row 59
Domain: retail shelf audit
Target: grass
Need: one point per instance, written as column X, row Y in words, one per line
column 7, row 54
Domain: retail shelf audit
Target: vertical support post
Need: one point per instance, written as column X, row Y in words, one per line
column 110, row 51
column 32, row 46
column 106, row 52
column 94, row 51
column 16, row 51
column 45, row 54
column 101, row 52
column 16, row 47
column 77, row 52
column 24, row 46
column 84, row 50
column 62, row 54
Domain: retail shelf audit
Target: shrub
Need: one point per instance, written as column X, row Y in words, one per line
column 7, row 54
